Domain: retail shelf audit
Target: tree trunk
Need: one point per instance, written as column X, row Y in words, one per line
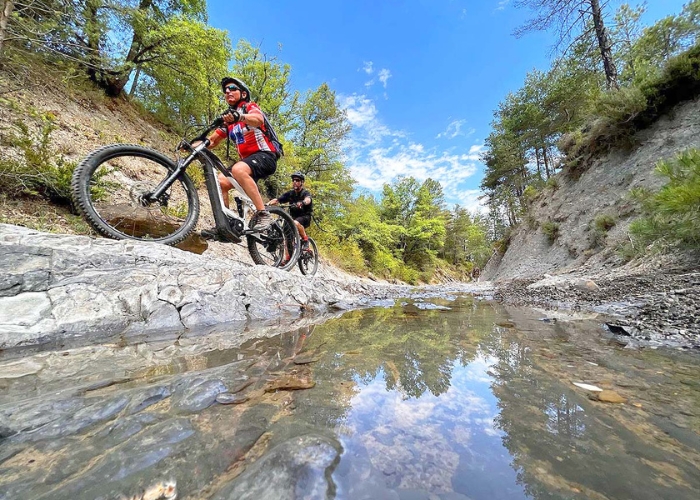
column 605, row 46
column 537, row 158
column 132, row 90
column 546, row 163
column 7, row 7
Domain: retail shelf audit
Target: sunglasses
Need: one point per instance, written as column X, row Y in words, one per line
column 230, row 88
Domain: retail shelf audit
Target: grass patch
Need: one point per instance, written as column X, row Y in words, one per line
column 37, row 169
column 41, row 215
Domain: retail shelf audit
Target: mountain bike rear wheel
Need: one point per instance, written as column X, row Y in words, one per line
column 308, row 259
column 111, row 187
column 278, row 245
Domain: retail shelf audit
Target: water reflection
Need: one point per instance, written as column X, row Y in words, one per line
column 444, row 402
column 422, row 400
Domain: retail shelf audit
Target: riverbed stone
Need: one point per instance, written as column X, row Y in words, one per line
column 608, row 396
column 197, row 397
column 297, row 468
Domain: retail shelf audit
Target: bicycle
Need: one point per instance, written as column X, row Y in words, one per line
column 308, row 259
column 125, row 191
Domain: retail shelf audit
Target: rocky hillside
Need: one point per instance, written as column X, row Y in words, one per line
column 559, row 234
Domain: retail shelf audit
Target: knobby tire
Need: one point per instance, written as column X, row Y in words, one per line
column 122, row 165
column 308, row 264
column 283, row 233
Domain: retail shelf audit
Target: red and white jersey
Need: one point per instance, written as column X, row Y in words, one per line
column 248, row 139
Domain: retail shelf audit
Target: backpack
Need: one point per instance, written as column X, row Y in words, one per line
column 271, row 134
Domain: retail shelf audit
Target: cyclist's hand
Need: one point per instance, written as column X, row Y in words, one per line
column 299, row 204
column 231, row 116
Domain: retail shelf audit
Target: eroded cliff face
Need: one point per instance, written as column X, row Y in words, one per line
column 603, row 189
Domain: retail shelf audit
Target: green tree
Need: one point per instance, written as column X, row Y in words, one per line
column 466, row 240
column 182, row 85
column 419, row 210
column 269, row 82
column 667, row 37
column 110, row 39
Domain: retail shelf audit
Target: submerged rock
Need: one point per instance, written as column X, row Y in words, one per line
column 297, row 468
column 608, row 396
column 291, row 382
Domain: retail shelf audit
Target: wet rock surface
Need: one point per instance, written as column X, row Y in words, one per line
column 658, row 309
column 57, row 288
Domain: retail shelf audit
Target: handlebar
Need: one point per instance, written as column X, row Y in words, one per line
column 202, row 137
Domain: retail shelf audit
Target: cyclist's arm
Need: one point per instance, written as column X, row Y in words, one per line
column 214, row 139
column 254, row 119
column 273, row 201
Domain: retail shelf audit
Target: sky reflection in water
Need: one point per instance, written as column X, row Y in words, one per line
column 443, row 439
column 445, row 403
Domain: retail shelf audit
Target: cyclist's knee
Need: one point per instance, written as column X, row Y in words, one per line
column 241, row 169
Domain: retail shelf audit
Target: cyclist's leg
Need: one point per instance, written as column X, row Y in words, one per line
column 302, row 222
column 250, row 170
column 301, row 229
column 244, row 176
column 226, row 186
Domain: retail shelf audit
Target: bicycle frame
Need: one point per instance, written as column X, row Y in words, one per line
column 222, row 215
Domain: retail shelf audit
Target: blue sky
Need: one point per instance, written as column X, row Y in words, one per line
column 420, row 79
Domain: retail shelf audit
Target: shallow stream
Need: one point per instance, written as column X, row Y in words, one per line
column 429, row 398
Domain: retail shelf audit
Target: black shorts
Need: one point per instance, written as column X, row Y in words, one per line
column 263, row 164
column 304, row 220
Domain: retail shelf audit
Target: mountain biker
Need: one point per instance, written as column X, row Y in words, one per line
column 244, row 124
column 301, row 206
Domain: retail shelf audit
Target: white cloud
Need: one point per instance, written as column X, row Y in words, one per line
column 377, row 155
column 384, row 75
column 368, row 67
column 502, row 4
column 454, row 129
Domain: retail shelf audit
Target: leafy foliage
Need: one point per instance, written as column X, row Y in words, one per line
column 551, row 230
column 672, row 215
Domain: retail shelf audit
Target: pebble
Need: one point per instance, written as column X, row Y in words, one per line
column 226, row 398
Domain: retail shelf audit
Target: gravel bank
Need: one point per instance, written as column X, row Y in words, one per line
column 658, row 309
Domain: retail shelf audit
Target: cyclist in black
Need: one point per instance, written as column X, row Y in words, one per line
column 301, row 206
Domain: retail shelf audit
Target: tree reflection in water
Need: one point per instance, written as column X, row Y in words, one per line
column 560, row 444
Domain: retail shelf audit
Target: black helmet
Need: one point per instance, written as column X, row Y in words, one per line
column 227, row 79
column 299, row 175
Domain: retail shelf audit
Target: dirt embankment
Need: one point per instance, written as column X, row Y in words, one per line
column 569, row 211
column 578, row 266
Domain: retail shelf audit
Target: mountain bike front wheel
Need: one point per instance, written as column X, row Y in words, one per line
column 112, row 187
column 278, row 244
column 308, row 259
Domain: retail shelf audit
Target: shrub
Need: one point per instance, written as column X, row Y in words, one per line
column 529, row 194
column 672, row 215
column 551, row 230
column 618, row 114
column 604, row 223
column 38, row 170
column 552, row 183
column 531, row 222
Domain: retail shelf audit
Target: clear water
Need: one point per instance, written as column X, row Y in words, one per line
column 448, row 398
